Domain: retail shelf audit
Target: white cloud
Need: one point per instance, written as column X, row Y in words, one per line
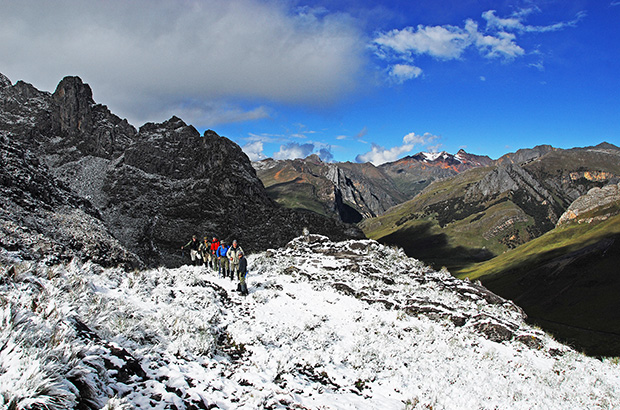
column 294, row 150
column 144, row 54
column 325, row 154
column 445, row 42
column 404, row 72
column 516, row 22
column 501, row 44
column 425, row 139
column 379, row 155
column 254, row 151
column 448, row 42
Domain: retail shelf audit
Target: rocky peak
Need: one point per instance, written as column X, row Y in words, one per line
column 526, row 155
column 26, row 113
column 75, row 101
column 607, row 145
column 314, row 158
column 4, row 81
column 476, row 160
column 86, row 128
column 175, row 149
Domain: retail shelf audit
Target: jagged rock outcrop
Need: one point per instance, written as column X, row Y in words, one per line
column 152, row 188
column 524, row 190
column 86, row 128
column 602, row 199
column 353, row 185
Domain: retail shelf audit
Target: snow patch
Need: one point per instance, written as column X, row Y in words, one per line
column 326, row 325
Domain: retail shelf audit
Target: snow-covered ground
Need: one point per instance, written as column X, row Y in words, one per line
column 351, row 325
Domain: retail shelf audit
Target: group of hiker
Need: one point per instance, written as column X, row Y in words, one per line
column 228, row 260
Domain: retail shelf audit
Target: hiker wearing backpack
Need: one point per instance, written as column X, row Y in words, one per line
column 223, row 259
column 193, row 246
column 215, row 244
column 233, row 257
column 205, row 251
column 242, row 271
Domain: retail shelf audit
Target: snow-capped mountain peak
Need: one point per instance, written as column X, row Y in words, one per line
column 434, row 156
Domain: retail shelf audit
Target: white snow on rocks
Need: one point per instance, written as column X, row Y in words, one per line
column 350, row 325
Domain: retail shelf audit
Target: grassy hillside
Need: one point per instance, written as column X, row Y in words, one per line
column 440, row 228
column 567, row 281
column 297, row 194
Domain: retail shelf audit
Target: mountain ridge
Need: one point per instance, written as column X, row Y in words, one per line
column 355, row 191
column 155, row 186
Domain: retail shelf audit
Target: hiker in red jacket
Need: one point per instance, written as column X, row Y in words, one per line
column 215, row 243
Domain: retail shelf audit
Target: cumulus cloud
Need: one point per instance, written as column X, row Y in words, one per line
column 499, row 45
column 325, row 154
column 144, row 54
column 294, row 150
column 446, row 42
column 497, row 41
column 254, row 151
column 403, row 72
column 379, row 155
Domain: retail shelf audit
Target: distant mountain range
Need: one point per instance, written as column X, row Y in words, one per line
column 484, row 211
column 354, row 191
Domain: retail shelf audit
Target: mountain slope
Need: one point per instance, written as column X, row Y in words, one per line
column 566, row 280
column 349, row 325
column 485, row 211
column 41, row 219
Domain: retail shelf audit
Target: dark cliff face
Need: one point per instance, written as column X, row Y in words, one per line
column 151, row 189
column 86, row 128
column 41, row 219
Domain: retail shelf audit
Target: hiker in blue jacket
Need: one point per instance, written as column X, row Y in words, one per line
column 223, row 259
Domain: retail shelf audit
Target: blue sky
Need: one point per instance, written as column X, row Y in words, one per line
column 348, row 80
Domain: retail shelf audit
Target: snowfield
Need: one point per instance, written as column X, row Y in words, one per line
column 349, row 325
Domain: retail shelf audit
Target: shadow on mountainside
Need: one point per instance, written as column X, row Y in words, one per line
column 573, row 295
column 421, row 243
